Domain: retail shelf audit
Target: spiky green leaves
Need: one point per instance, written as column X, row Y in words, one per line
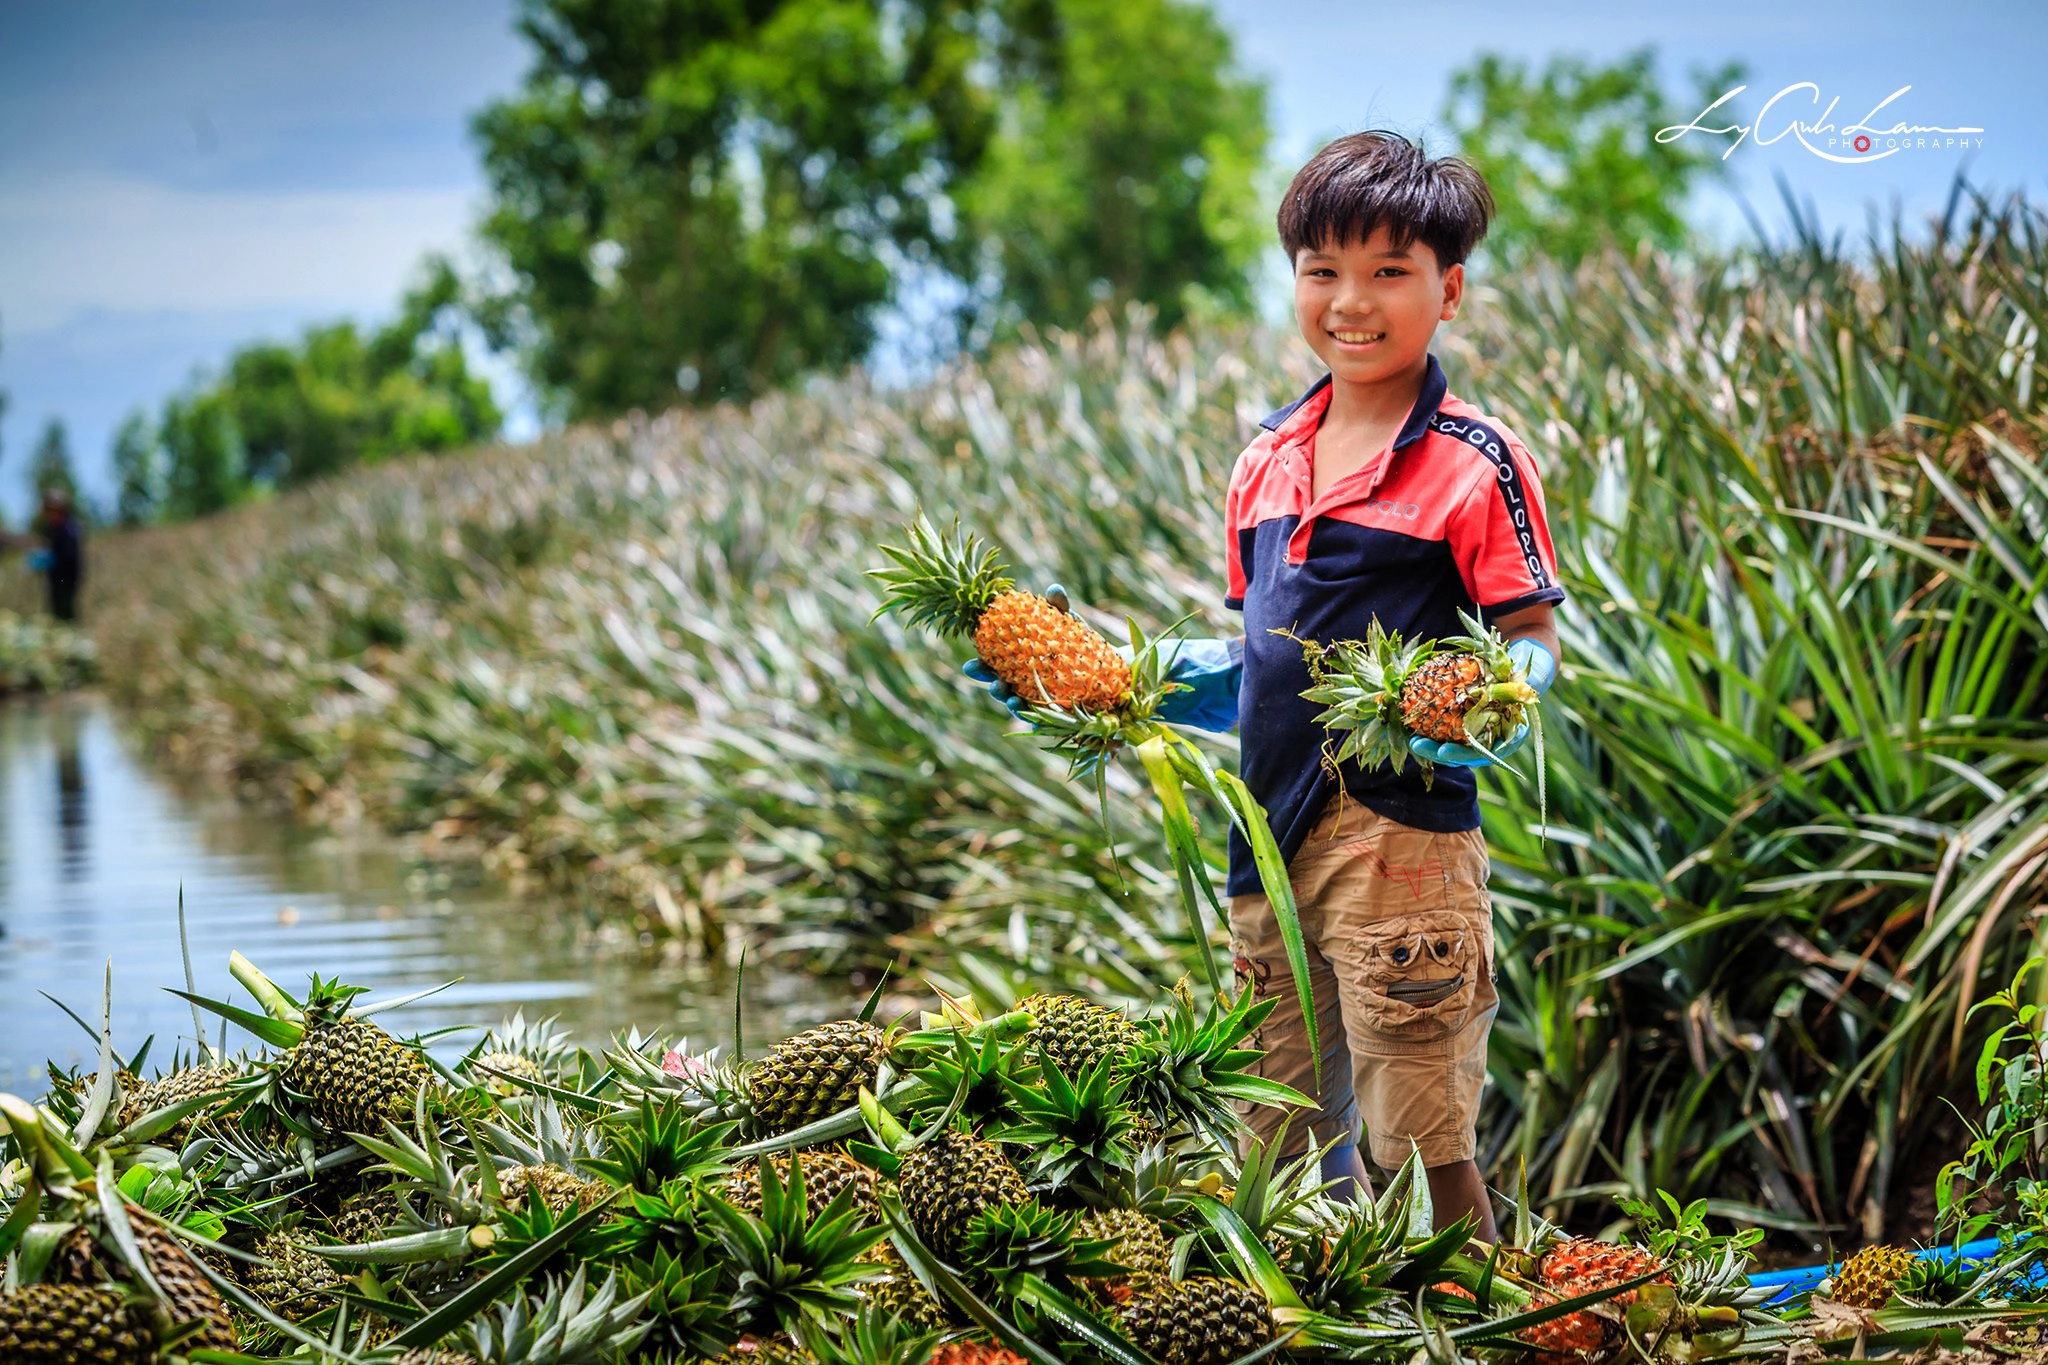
column 944, row 581
column 1192, row 1069
column 793, row 1267
column 1078, row 1132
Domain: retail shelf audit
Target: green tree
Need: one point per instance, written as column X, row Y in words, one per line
column 337, row 397
column 696, row 201
column 50, row 467
column 138, row 470
column 205, row 468
column 1128, row 174
column 1571, row 152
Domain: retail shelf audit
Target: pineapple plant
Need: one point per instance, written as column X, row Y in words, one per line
column 291, row 1280
column 1136, row 1242
column 1049, row 657
column 561, row 1190
column 1869, row 1278
column 897, row 1294
column 1466, row 690
column 350, row 1073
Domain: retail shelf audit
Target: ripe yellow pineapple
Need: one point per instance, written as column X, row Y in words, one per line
column 1047, row 656
column 1465, row 690
column 1868, row 1278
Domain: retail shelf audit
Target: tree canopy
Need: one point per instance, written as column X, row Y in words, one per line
column 1571, row 154
column 694, row 201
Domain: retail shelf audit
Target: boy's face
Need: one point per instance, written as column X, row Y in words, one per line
column 1369, row 310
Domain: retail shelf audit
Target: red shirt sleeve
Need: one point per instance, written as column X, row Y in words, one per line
column 1233, row 559
column 1500, row 538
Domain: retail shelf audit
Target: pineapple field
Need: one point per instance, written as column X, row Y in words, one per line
column 1043, row 1181
column 1790, row 845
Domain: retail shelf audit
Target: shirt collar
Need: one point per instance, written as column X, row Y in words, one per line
column 1434, row 388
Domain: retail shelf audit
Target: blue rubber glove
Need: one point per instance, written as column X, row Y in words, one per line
column 1211, row 669
column 39, row 561
column 1540, row 666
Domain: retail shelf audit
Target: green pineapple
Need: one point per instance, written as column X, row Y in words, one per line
column 812, row 1075
column 949, row 1179
column 1198, row 1321
column 899, row 1295
column 364, row 1216
column 68, row 1324
column 1074, row 1034
column 351, row 1074
column 1135, row 1242
column 291, row 1280
column 561, row 1190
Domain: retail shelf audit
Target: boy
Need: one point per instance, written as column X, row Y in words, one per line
column 1375, row 494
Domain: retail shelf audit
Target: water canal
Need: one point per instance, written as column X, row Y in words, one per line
column 95, row 845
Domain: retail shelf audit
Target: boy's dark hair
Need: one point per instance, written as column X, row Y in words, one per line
column 1379, row 179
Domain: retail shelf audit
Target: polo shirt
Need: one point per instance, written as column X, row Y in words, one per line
column 1449, row 518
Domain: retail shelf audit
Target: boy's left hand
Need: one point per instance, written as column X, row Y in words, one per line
column 1534, row 662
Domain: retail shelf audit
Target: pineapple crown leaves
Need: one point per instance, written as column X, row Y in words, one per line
column 942, row 580
column 568, row 1325
column 981, row 1072
column 792, row 1266
column 1077, row 1130
column 1004, row 1243
column 655, row 1144
column 1190, row 1071
column 875, row 1337
column 683, row 1292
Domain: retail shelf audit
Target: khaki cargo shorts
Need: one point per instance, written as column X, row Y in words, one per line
column 1399, row 930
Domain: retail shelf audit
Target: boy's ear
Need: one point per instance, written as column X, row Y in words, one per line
column 1454, row 292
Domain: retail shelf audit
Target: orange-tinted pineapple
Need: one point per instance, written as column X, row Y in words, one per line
column 1047, row 656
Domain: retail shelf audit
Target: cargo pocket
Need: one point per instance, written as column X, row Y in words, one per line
column 1421, row 975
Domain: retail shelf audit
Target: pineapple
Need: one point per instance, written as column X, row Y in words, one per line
column 899, row 1295
column 826, row 1173
column 1868, row 1278
column 351, row 1073
column 1576, row 1266
column 949, row 1179
column 1574, row 1334
column 1073, row 1034
column 813, row 1075
column 188, row 1293
column 68, row 1324
column 364, row 1217
column 1136, row 1242
column 1197, row 1321
column 1046, row 655
column 179, row 1086
column 291, row 1281
column 976, row 1353
column 1466, row 690
column 559, row 1189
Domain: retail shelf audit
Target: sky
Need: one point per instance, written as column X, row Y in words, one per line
column 178, row 179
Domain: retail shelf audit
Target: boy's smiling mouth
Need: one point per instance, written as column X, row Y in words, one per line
column 1354, row 337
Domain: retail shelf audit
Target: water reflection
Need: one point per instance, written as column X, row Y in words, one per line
column 95, row 849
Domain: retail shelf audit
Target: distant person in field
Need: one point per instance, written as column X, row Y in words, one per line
column 62, row 558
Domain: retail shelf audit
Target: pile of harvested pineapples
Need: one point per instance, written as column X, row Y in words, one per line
column 1059, row 1182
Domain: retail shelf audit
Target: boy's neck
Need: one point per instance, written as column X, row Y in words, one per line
column 1380, row 403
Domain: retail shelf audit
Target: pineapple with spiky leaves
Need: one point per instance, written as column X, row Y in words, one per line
column 792, row 1267
column 1578, row 1334
column 291, row 1279
column 1048, row 656
column 1466, row 690
column 1380, row 692
column 1573, row 1266
column 898, row 1294
column 826, row 1173
column 948, row 1180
